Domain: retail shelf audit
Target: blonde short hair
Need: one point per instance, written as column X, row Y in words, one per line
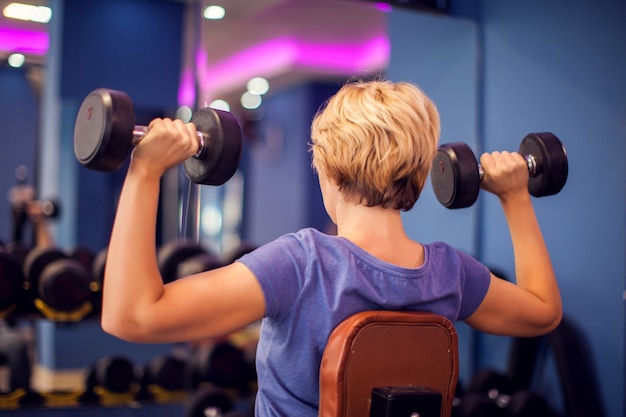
column 376, row 140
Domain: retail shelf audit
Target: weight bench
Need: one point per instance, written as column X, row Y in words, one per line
column 408, row 358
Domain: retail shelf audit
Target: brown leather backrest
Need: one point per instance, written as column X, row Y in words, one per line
column 385, row 348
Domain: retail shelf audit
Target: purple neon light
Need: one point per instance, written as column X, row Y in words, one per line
column 344, row 58
column 24, row 41
column 266, row 59
column 281, row 55
column 384, row 7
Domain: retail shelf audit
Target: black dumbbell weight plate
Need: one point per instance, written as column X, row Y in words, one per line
column 18, row 251
column 97, row 268
column 220, row 159
column 524, row 403
column 475, row 404
column 103, row 132
column 243, row 248
column 208, row 400
column 491, row 383
column 455, row 176
column 115, row 373
column 51, row 208
column 226, row 367
column 83, row 255
column 197, row 264
column 64, row 285
column 552, row 165
column 37, row 260
column 167, row 372
column 172, row 254
column 11, row 279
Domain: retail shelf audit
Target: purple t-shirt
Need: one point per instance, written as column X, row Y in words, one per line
column 313, row 281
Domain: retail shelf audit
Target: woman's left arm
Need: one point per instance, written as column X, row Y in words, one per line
column 137, row 306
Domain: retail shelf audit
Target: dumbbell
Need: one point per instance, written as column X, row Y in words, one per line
column 165, row 379
column 21, row 194
column 84, row 256
column 210, row 401
column 175, row 259
column 11, row 283
column 197, row 264
column 184, row 257
column 494, row 394
column 488, row 393
column 20, row 197
column 88, row 259
column 237, row 252
column 59, row 284
column 112, row 380
column 224, row 365
column 97, row 278
column 50, row 209
column 105, row 132
column 456, row 175
column 526, row 403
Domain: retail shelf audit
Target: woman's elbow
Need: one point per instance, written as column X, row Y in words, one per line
column 112, row 326
column 550, row 322
column 121, row 326
column 556, row 320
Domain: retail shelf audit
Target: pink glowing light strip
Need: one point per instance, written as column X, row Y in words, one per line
column 268, row 59
column 28, row 42
column 280, row 55
column 345, row 59
column 384, row 7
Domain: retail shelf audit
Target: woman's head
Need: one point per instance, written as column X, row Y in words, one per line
column 376, row 141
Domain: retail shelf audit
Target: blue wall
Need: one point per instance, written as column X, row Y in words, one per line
column 283, row 192
column 568, row 78
column 537, row 66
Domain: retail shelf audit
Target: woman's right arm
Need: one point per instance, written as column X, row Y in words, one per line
column 532, row 305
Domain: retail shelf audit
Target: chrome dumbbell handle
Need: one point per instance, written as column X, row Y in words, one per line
column 531, row 161
column 140, row 131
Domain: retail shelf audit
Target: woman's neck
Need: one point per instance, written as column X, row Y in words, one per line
column 379, row 232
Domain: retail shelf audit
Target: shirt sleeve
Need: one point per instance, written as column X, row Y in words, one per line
column 475, row 278
column 277, row 267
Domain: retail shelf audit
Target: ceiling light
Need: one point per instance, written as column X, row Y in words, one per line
column 24, row 41
column 258, row 85
column 16, row 60
column 251, row 101
column 39, row 14
column 213, row 12
column 211, row 220
column 220, row 105
column 184, row 113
